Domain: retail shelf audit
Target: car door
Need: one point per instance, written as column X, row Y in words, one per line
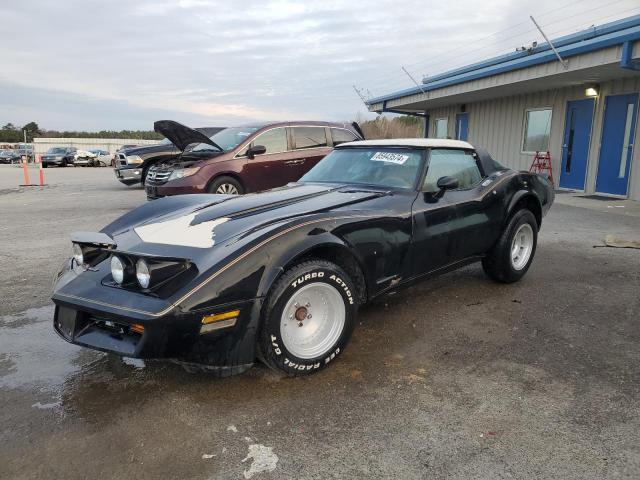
column 310, row 145
column 275, row 167
column 452, row 225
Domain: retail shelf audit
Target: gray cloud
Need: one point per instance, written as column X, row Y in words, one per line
column 121, row 64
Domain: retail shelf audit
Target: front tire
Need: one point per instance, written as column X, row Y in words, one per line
column 309, row 317
column 226, row 185
column 511, row 257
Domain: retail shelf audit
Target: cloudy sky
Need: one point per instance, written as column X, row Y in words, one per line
column 120, row 64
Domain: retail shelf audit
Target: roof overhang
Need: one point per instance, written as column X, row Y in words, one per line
column 603, row 55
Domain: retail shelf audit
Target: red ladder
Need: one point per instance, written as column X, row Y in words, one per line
column 542, row 163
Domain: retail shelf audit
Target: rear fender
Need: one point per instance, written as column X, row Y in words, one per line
column 530, row 199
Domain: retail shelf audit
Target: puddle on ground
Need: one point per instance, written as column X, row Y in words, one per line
column 51, row 375
column 32, row 354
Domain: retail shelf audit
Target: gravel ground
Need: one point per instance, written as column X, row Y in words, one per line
column 458, row 377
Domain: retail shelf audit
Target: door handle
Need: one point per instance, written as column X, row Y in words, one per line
column 295, row 162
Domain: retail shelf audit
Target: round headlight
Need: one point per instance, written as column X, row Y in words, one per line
column 117, row 269
column 78, row 256
column 142, row 273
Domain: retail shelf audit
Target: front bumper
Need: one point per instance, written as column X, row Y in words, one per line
column 52, row 161
column 128, row 176
column 113, row 321
column 167, row 190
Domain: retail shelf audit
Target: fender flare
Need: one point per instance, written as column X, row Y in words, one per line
column 519, row 196
column 282, row 259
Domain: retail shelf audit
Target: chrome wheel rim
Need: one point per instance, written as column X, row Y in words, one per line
column 227, row 188
column 312, row 320
column 522, row 246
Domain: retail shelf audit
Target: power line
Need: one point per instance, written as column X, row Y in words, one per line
column 469, row 52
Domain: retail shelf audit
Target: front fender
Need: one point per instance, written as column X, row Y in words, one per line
column 280, row 258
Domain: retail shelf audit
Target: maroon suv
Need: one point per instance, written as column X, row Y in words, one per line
column 243, row 159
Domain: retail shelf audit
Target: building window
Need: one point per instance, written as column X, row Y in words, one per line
column 442, row 125
column 537, row 125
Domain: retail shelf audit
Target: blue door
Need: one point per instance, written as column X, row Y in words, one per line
column 616, row 148
column 575, row 146
column 462, row 126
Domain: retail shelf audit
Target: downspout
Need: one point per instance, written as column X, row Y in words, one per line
column 626, row 59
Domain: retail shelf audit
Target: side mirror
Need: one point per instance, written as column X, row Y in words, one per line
column 256, row 150
column 448, row 183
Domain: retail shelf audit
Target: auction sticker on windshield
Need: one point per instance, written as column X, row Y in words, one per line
column 390, row 157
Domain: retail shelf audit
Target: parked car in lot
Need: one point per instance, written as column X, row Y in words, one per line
column 101, row 158
column 59, row 156
column 81, row 158
column 131, row 164
column 9, row 156
column 243, row 159
column 92, row 158
column 224, row 279
column 25, row 150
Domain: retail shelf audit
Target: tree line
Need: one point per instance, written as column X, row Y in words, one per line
column 381, row 127
column 11, row 133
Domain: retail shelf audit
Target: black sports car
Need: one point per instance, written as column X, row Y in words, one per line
column 220, row 280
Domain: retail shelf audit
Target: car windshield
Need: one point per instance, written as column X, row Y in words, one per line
column 380, row 166
column 56, row 150
column 228, row 139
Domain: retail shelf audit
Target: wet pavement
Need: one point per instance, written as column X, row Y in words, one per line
column 457, row 377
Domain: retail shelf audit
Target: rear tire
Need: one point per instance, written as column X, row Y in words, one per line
column 308, row 319
column 225, row 185
column 511, row 257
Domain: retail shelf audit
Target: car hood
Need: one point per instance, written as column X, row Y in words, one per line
column 147, row 149
column 180, row 135
column 203, row 221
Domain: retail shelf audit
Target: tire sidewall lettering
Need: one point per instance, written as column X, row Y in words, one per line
column 274, row 336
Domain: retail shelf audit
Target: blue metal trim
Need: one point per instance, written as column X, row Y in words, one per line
column 587, row 34
column 614, row 33
column 425, row 131
column 626, row 59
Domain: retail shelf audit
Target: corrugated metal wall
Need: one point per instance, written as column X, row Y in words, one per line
column 498, row 126
column 41, row 145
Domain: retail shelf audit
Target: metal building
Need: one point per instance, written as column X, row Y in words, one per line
column 582, row 110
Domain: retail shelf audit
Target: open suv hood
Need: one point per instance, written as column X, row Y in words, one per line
column 182, row 136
